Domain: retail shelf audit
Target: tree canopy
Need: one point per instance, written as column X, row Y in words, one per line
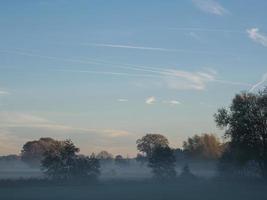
column 62, row 162
column 32, row 151
column 245, row 124
column 149, row 142
column 104, row 155
column 205, row 146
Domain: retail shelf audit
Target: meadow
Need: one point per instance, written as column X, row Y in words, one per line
column 146, row 189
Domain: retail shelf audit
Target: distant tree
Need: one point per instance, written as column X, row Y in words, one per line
column 162, row 162
column 10, row 158
column 119, row 160
column 86, row 168
column 246, row 129
column 205, row 146
column 104, row 155
column 32, row 151
column 62, row 163
column 9, row 161
column 149, row 142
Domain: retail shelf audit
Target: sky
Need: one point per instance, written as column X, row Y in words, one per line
column 104, row 73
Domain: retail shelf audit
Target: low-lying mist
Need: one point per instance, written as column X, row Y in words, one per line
column 133, row 170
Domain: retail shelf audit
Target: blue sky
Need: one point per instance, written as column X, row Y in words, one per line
column 104, row 73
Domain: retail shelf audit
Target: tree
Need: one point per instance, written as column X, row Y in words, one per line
column 62, row 163
column 119, row 160
column 149, row 142
column 205, row 146
column 10, row 158
column 32, row 151
column 10, row 161
column 104, row 155
column 86, row 168
column 162, row 162
column 245, row 126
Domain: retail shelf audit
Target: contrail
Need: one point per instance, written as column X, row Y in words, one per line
column 132, row 47
column 154, row 49
column 208, row 30
column 158, row 72
column 263, row 79
column 107, row 73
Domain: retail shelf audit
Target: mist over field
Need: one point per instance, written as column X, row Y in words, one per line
column 110, row 171
column 133, row 181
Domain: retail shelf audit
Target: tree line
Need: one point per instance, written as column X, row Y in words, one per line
column 243, row 152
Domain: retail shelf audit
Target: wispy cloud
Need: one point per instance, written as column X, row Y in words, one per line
column 122, row 46
column 122, row 100
column 256, row 36
column 190, row 51
column 17, row 128
column 116, row 133
column 210, row 6
column 194, row 35
column 189, row 80
column 3, row 93
column 22, row 120
column 219, row 30
column 150, row 100
column 172, row 102
column 108, row 73
column 260, row 83
column 173, row 78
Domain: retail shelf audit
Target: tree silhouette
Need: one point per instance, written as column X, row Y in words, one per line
column 246, row 128
column 32, row 151
column 104, row 155
column 205, row 146
column 120, row 161
column 149, row 142
column 62, row 163
column 162, row 163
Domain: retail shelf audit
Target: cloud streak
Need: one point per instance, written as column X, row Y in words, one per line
column 172, row 102
column 210, row 6
column 22, row 120
column 122, row 100
column 255, row 35
column 17, row 128
column 121, row 46
column 260, row 83
column 219, row 30
column 4, row 93
column 173, row 78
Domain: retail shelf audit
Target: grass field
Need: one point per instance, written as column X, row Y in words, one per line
column 141, row 190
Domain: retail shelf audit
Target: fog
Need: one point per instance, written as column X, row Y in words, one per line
column 130, row 181
column 133, row 170
column 136, row 171
column 16, row 169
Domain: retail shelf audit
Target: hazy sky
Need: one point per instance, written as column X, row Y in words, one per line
column 103, row 73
